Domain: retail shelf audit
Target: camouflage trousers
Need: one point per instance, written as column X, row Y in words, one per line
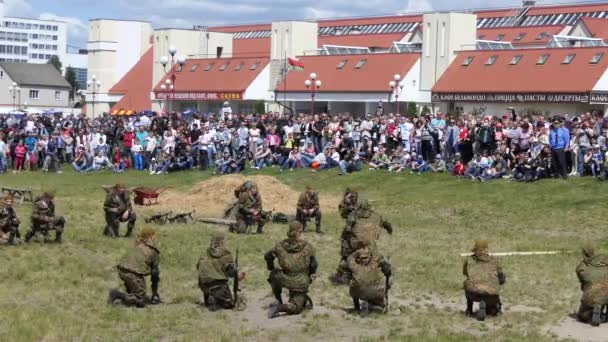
column 297, row 298
column 243, row 224
column 303, row 218
column 135, row 285
column 493, row 304
column 113, row 221
column 220, row 292
column 57, row 224
column 373, row 296
column 8, row 233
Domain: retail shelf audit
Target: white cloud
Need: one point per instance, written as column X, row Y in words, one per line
column 18, row 8
column 417, row 6
column 77, row 30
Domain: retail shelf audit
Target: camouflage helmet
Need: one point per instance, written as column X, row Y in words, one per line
column 480, row 247
column 146, row 234
column 49, row 194
column 364, row 209
column 217, row 239
column 588, row 250
column 295, row 228
column 119, row 186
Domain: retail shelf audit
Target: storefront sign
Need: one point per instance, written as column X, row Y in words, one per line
column 599, row 98
column 511, row 98
column 199, row 96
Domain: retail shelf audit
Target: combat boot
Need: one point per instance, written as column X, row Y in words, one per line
column 129, row 231
column 597, row 316
column 29, row 235
column 107, row 231
column 319, row 231
column 278, row 310
column 115, row 232
column 469, row 311
column 357, row 304
column 260, row 229
column 115, row 294
column 58, row 237
column 481, row 312
column 212, row 304
column 11, row 239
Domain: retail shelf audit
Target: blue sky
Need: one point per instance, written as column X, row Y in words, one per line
column 185, row 13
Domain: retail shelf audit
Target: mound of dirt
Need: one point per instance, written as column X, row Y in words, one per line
column 211, row 197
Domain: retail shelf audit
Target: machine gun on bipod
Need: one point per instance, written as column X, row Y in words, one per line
column 159, row 219
column 183, row 218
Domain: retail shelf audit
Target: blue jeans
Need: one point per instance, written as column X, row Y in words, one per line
column 261, row 163
column 80, row 167
column 2, row 164
column 289, row 163
column 581, row 159
column 349, row 166
column 330, row 164
column 306, row 160
column 138, row 162
column 318, row 143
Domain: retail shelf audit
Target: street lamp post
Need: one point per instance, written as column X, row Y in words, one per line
column 164, row 61
column 94, row 85
column 313, row 84
column 14, row 89
column 396, row 88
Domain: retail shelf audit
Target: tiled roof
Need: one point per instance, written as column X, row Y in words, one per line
column 135, row 85
column 526, row 76
column 373, row 76
column 598, row 28
column 45, row 75
column 530, row 34
column 207, row 75
column 361, row 40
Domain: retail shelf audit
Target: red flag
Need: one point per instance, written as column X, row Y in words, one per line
column 295, row 64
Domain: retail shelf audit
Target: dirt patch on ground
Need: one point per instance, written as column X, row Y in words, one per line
column 211, row 197
column 570, row 328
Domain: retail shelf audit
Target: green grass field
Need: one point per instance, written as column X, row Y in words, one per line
column 58, row 292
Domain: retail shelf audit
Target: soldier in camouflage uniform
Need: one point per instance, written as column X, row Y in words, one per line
column 9, row 223
column 308, row 207
column 249, row 210
column 368, row 272
column 298, row 265
column 214, row 268
column 348, row 203
column 117, row 208
column 140, row 261
column 43, row 219
column 592, row 273
column 484, row 278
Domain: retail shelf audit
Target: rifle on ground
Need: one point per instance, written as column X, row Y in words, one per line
column 222, row 222
column 182, row 218
column 235, row 287
column 160, row 219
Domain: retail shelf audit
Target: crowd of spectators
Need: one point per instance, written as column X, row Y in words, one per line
column 477, row 147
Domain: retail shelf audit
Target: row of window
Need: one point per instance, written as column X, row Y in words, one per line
column 30, row 26
column 539, row 20
column 44, row 36
column 40, row 56
column 43, row 47
column 13, row 36
column 542, row 59
column 369, row 29
column 13, row 50
column 517, row 38
column 224, row 66
column 252, row 34
column 358, row 66
column 14, row 60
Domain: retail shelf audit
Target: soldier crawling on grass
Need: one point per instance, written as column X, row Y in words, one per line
column 43, row 219
column 117, row 208
column 592, row 273
column 484, row 279
column 298, row 265
column 215, row 268
column 9, row 223
column 308, row 207
column 140, row 261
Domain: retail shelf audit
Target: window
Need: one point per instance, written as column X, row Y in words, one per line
column 360, row 64
column 34, row 94
column 57, row 95
column 239, row 66
column 499, row 37
column 209, row 66
column 223, row 67
column 596, row 58
column 520, row 36
column 542, row 60
column 341, row 64
column 515, row 60
column 491, row 60
column 467, row 61
column 569, row 58
column 254, row 66
column 541, row 36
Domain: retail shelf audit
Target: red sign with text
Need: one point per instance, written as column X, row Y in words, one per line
column 199, row 96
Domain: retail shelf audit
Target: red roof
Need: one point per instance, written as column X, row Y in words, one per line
column 241, row 28
column 531, row 33
column 361, row 40
column 251, row 47
column 373, row 76
column 135, row 85
column 598, row 28
column 194, row 76
column 371, row 20
column 526, row 76
column 573, row 8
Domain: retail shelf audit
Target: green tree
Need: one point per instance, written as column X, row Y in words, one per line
column 54, row 61
column 425, row 110
column 70, row 77
column 259, row 107
column 412, row 110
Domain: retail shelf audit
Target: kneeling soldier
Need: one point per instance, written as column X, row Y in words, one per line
column 484, row 278
column 9, row 223
column 43, row 219
column 298, row 264
column 308, row 207
column 214, row 268
column 140, row 261
column 592, row 273
column 117, row 208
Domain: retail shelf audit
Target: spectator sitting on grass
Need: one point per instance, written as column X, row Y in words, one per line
column 332, row 158
column 224, row 165
column 292, row 161
column 419, row 166
column 99, row 162
column 438, row 165
column 379, row 160
column 81, row 161
column 262, row 157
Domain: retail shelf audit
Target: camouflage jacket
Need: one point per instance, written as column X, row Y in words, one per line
column 42, row 211
column 216, row 264
column 346, row 207
column 308, row 201
column 8, row 217
column 141, row 259
column 296, row 259
column 117, row 201
column 364, row 269
column 482, row 274
column 247, row 202
column 593, row 276
column 366, row 228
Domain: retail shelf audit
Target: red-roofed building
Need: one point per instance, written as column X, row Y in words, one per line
column 134, row 88
column 521, row 36
column 591, row 27
column 558, row 79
